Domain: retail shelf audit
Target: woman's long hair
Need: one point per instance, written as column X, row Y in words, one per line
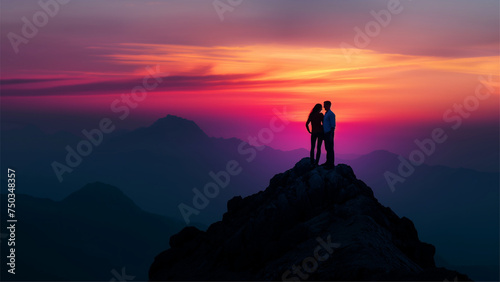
column 316, row 109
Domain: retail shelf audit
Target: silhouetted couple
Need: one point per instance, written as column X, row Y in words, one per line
column 323, row 128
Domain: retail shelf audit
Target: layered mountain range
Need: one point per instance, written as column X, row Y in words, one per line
column 158, row 166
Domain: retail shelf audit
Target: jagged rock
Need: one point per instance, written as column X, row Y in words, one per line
column 309, row 224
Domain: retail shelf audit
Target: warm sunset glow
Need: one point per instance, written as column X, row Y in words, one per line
column 300, row 76
column 234, row 73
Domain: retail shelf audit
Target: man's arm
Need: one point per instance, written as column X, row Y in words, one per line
column 331, row 120
column 307, row 124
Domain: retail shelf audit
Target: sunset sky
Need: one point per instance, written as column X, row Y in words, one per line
column 228, row 75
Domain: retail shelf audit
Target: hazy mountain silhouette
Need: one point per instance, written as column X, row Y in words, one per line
column 85, row 236
column 310, row 223
column 158, row 166
column 167, row 160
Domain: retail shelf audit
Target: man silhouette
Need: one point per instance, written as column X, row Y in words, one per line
column 329, row 132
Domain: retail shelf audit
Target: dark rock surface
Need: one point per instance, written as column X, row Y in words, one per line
column 309, row 224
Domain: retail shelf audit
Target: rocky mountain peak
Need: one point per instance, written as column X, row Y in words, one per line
column 311, row 223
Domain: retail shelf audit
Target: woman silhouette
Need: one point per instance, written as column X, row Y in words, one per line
column 316, row 120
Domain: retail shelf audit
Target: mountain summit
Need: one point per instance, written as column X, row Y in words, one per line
column 105, row 199
column 309, row 224
column 174, row 125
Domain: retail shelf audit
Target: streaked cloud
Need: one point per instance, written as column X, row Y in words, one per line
column 264, row 54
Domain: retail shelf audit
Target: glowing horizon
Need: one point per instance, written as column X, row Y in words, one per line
column 408, row 76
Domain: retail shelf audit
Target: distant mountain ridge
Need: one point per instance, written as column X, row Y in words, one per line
column 175, row 125
column 158, row 171
column 101, row 196
column 170, row 157
column 85, row 236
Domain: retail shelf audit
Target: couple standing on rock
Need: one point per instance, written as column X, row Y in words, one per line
column 323, row 128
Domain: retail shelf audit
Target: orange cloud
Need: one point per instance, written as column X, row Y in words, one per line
column 373, row 85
